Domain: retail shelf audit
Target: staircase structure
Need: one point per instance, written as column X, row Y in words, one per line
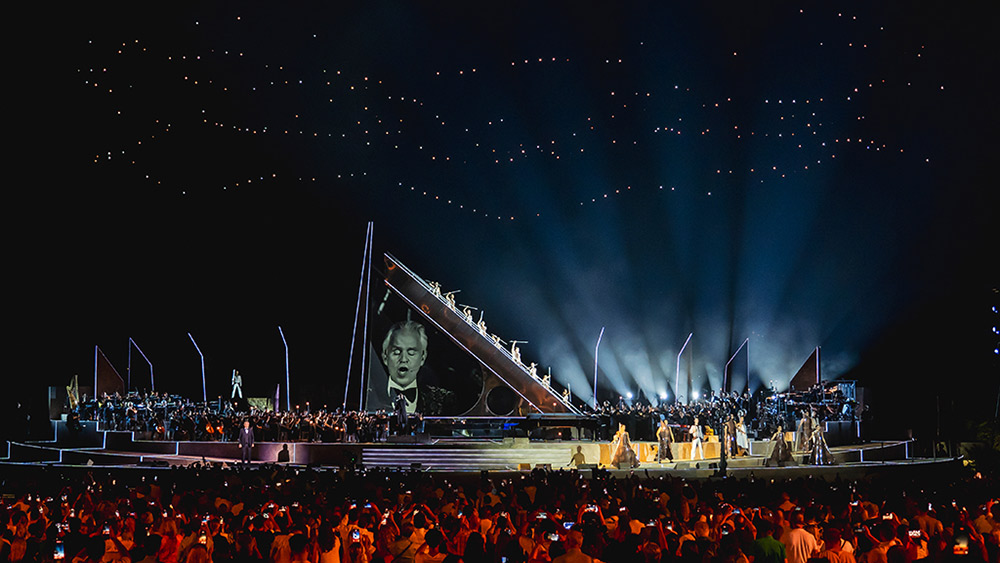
column 500, row 369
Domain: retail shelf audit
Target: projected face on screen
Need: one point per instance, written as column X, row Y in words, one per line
column 413, row 357
column 404, row 352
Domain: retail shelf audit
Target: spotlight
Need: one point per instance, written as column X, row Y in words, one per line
column 628, row 395
column 663, row 396
column 694, row 395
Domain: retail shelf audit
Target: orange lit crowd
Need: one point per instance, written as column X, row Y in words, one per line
column 285, row 515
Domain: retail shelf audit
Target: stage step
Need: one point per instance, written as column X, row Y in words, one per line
column 465, row 459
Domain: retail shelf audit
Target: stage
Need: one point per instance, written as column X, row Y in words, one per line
column 92, row 448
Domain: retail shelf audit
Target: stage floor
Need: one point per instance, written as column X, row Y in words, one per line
column 120, row 450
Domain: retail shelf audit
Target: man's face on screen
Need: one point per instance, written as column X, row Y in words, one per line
column 403, row 357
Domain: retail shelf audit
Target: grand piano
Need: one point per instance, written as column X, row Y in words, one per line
column 501, row 371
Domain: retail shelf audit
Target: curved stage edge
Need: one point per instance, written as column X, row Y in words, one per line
column 109, row 450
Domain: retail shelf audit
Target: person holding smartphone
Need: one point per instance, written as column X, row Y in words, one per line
column 546, row 533
column 195, row 533
column 925, row 518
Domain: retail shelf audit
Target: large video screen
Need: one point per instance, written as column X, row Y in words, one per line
column 409, row 356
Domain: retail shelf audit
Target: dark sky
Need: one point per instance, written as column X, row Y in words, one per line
column 799, row 174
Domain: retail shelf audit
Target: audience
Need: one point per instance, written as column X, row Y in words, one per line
column 273, row 514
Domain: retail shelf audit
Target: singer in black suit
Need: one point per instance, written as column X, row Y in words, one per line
column 246, row 440
column 404, row 351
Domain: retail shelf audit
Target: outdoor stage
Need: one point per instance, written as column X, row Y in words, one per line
column 100, row 449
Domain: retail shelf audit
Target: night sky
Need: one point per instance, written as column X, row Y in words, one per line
column 799, row 174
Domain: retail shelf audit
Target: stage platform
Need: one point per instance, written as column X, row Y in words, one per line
column 93, row 448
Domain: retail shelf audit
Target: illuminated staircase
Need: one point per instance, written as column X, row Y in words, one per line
column 499, row 367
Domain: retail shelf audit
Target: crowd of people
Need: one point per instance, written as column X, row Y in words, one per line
column 162, row 417
column 763, row 412
column 171, row 417
column 283, row 515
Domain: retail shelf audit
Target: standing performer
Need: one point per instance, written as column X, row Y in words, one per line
column 803, row 432
column 697, row 436
column 246, row 440
column 399, row 403
column 621, row 450
column 237, row 385
column 742, row 441
column 820, row 454
column 665, row 436
column 781, row 452
column 730, row 426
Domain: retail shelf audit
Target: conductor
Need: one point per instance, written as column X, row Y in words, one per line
column 246, row 440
